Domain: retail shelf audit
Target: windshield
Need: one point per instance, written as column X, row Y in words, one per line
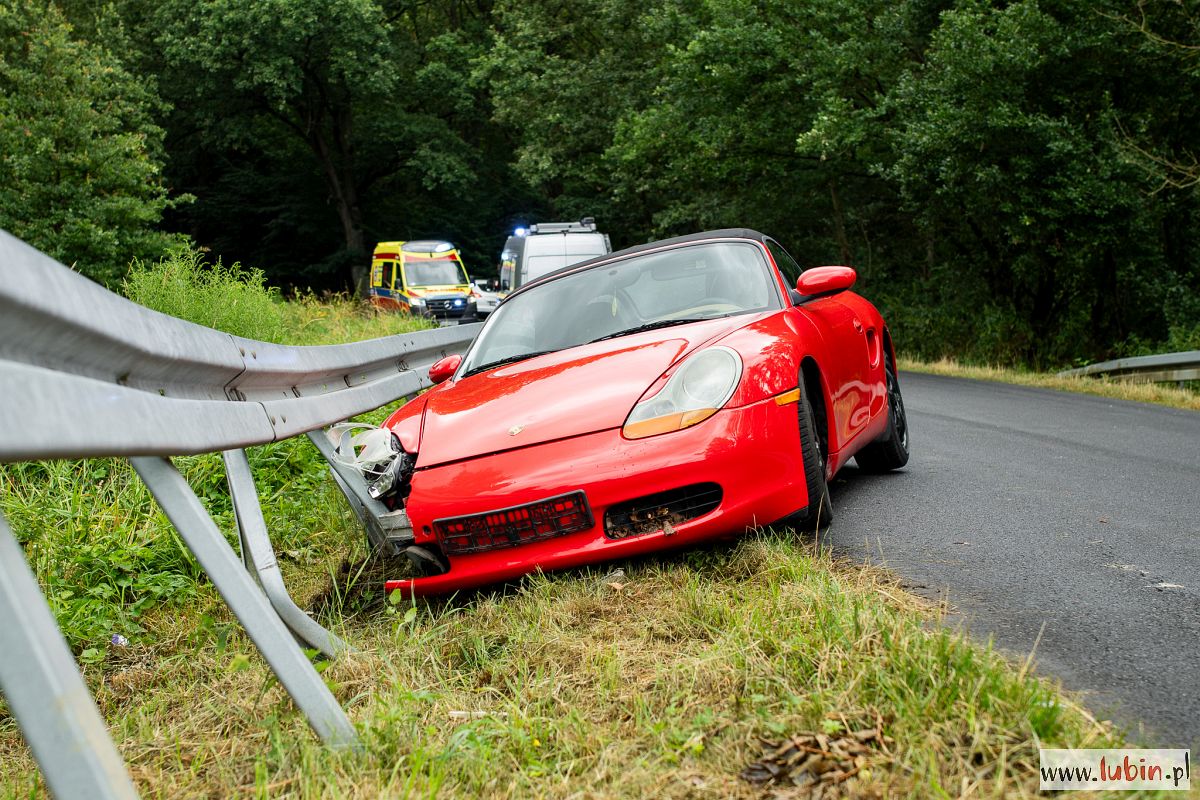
column 674, row 287
column 433, row 272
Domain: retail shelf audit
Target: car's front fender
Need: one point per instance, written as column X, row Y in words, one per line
column 771, row 350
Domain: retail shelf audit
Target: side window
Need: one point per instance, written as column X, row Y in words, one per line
column 787, row 265
column 386, row 278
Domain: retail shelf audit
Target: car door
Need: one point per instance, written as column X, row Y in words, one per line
column 846, row 367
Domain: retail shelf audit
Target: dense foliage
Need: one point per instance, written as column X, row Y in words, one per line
column 80, row 153
column 1015, row 181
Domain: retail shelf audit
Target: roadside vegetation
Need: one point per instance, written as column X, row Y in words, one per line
column 684, row 675
column 187, row 284
column 1163, row 394
column 1016, row 182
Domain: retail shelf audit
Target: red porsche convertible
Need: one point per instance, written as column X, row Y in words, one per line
column 651, row 398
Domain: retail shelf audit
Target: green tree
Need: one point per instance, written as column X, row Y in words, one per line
column 563, row 75
column 717, row 146
column 966, row 155
column 1006, row 150
column 366, row 91
column 80, row 156
column 307, row 67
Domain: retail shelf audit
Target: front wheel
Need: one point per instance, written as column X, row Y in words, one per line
column 890, row 450
column 819, row 511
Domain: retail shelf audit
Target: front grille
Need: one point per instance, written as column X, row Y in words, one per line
column 446, row 308
column 661, row 511
column 508, row 527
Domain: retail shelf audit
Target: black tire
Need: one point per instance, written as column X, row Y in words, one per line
column 890, row 450
column 819, row 514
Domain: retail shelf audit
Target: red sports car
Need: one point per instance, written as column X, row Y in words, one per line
column 651, row 398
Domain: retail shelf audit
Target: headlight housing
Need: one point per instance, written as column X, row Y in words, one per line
column 417, row 302
column 697, row 390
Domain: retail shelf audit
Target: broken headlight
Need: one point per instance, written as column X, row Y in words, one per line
column 376, row 453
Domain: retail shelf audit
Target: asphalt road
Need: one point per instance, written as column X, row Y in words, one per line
column 1034, row 510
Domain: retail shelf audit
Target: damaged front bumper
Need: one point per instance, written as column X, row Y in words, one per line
column 741, row 468
column 389, row 531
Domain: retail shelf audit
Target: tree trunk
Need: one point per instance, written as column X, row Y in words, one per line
column 839, row 225
column 345, row 197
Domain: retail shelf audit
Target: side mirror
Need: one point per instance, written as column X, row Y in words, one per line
column 443, row 369
column 823, row 281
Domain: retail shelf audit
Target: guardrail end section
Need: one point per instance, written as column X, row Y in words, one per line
column 47, row 695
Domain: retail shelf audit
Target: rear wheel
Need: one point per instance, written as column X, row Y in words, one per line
column 819, row 512
column 890, row 450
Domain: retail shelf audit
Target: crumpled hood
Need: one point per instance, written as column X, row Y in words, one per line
column 568, row 393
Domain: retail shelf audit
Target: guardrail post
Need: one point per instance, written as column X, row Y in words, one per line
column 47, row 695
column 248, row 603
column 259, row 557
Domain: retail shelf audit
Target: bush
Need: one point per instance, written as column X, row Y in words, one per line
column 229, row 298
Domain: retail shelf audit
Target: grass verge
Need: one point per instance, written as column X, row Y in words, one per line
column 237, row 300
column 661, row 681
column 1158, row 393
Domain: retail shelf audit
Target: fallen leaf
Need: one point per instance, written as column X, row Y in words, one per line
column 815, row 761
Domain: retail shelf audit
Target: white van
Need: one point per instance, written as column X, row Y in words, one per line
column 542, row 248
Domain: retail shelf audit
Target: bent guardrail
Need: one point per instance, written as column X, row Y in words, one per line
column 85, row 372
column 1168, row 367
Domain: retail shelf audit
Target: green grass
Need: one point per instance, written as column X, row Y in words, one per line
column 229, row 298
column 1158, row 393
column 659, row 683
column 237, row 300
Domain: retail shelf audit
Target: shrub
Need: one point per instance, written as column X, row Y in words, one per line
column 229, row 298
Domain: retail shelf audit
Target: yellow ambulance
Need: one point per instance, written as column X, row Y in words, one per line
column 424, row 276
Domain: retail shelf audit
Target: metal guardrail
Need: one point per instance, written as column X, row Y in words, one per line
column 84, row 372
column 1168, row 367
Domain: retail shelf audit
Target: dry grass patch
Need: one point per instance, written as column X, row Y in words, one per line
column 1159, row 393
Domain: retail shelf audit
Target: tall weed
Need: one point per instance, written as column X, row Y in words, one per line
column 232, row 298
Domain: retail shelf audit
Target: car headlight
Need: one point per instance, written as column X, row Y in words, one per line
column 417, row 302
column 696, row 391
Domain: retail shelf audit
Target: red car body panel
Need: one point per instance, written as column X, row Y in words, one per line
column 754, row 449
column 552, row 425
column 546, row 398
